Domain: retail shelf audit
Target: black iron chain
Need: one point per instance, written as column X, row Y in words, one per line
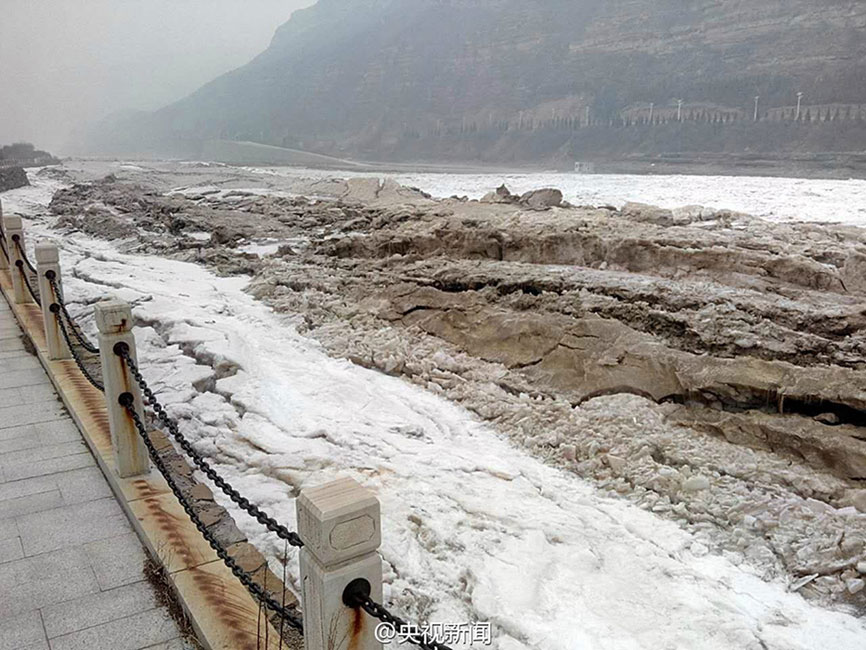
column 3, row 245
column 126, row 400
column 58, row 298
column 23, row 253
column 19, row 263
column 55, row 309
column 20, row 266
column 372, row 608
column 122, row 350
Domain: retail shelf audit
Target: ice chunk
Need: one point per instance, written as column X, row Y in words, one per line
column 696, row 484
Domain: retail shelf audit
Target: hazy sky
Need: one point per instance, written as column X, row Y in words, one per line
column 66, row 62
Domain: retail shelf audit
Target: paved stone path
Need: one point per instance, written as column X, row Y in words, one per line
column 70, row 564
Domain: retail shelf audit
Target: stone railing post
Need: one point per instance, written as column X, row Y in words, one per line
column 114, row 321
column 341, row 528
column 14, row 229
column 4, row 263
column 48, row 265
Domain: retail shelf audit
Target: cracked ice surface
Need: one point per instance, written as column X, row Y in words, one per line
column 473, row 528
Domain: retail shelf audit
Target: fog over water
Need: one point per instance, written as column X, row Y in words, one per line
column 64, row 63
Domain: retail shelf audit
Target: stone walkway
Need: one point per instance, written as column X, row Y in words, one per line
column 70, row 564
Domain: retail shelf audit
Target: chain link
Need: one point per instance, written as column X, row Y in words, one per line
column 24, row 277
column 246, row 580
column 73, row 326
column 55, row 309
column 19, row 263
column 3, row 245
column 23, row 253
column 252, row 510
column 373, row 608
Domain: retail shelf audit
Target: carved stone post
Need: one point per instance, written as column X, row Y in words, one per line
column 114, row 321
column 14, row 230
column 341, row 528
column 48, row 264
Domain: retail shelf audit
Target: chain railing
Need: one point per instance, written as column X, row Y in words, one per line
column 23, row 253
column 75, row 339
column 122, row 350
column 363, row 601
column 20, row 263
column 355, row 597
column 70, row 330
column 73, row 326
column 55, row 309
column 34, row 293
column 127, row 401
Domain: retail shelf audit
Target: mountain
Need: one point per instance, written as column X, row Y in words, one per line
column 537, row 80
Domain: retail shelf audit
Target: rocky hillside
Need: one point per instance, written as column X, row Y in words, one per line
column 509, row 80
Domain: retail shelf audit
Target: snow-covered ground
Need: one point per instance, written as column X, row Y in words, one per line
column 473, row 528
column 777, row 199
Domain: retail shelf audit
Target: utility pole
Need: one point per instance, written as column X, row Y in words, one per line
column 587, row 115
column 652, row 110
column 757, row 97
column 799, row 103
column 679, row 110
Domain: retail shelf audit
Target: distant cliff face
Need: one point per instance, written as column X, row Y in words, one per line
column 539, row 79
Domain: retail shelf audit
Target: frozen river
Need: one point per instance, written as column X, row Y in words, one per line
column 777, row 199
column 475, row 529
